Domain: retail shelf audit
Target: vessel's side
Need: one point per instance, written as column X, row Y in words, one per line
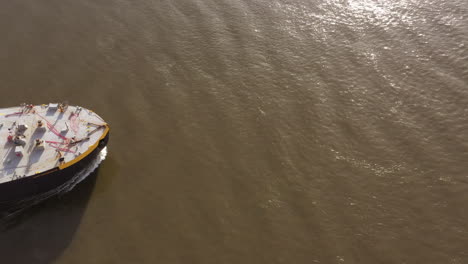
column 27, row 187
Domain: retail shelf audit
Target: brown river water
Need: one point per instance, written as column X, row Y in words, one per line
column 263, row 131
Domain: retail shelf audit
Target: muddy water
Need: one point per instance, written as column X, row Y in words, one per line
column 280, row 131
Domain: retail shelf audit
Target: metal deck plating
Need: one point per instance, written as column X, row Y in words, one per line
column 36, row 140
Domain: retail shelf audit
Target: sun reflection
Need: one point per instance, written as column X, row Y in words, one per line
column 370, row 6
column 370, row 10
column 325, row 18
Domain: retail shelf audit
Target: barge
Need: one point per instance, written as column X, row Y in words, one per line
column 43, row 146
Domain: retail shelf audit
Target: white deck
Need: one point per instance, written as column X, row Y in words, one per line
column 59, row 131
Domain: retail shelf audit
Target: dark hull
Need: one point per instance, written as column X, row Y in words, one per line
column 11, row 192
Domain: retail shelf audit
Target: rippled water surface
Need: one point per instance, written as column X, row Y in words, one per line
column 280, row 131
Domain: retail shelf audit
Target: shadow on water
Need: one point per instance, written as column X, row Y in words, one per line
column 41, row 233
